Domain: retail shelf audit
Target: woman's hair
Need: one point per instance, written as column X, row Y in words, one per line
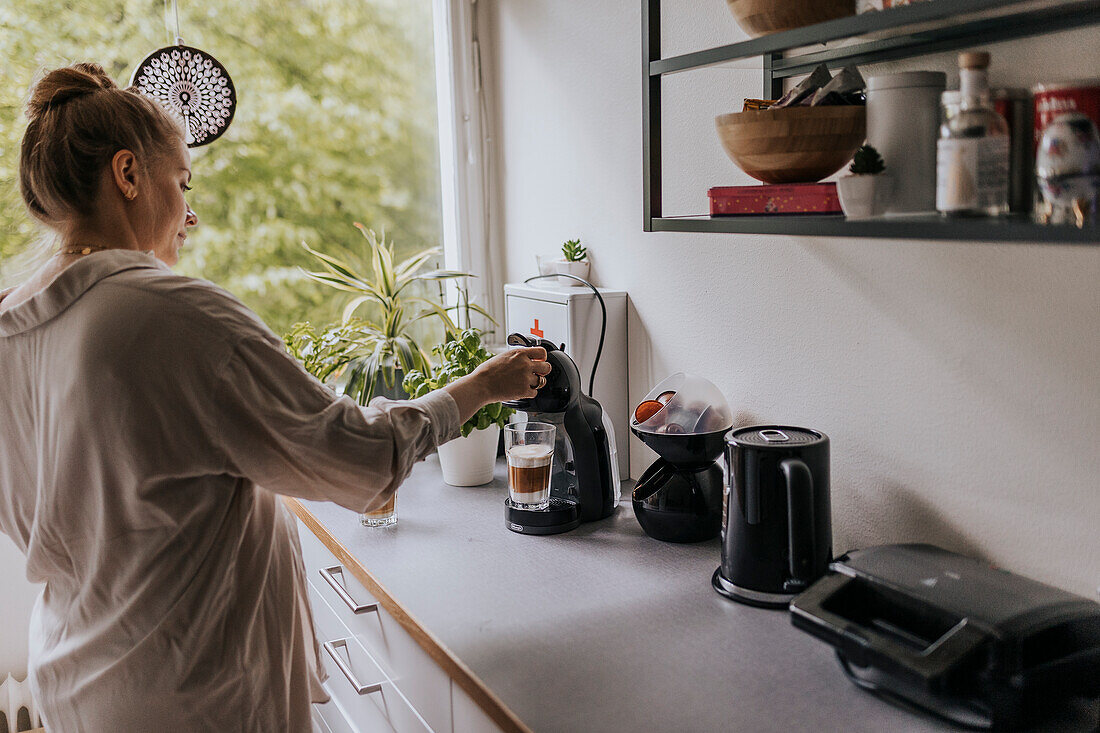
column 78, row 119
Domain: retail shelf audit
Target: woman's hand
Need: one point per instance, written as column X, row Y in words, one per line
column 514, row 375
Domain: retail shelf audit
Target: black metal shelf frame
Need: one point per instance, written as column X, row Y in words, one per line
column 915, row 227
column 914, row 30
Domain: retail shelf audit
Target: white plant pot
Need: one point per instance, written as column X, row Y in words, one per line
column 470, row 461
column 562, row 267
column 864, row 196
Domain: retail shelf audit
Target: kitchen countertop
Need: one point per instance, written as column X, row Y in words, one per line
column 601, row 628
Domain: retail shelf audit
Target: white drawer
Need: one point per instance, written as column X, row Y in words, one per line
column 415, row 673
column 468, row 715
column 330, row 626
column 317, row 557
column 400, row 657
column 372, row 706
column 327, row 717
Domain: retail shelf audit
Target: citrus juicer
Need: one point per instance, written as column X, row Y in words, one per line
column 679, row 497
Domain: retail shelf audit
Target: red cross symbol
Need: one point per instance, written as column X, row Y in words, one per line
column 536, row 331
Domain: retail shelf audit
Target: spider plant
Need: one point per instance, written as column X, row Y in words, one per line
column 398, row 298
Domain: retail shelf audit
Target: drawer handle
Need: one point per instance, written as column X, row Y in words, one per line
column 329, row 574
column 345, row 667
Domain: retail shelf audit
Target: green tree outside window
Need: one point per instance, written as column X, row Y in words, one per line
column 336, row 123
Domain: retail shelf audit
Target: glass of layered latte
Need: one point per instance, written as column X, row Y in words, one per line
column 530, row 450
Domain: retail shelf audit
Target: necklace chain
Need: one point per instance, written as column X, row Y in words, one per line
column 85, row 249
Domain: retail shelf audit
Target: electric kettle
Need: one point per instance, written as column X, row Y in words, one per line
column 776, row 518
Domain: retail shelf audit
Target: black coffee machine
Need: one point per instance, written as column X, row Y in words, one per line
column 777, row 535
column 584, row 480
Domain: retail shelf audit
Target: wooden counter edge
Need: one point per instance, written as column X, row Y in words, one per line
column 455, row 669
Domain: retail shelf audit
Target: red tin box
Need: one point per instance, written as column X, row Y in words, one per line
column 784, row 198
column 1052, row 100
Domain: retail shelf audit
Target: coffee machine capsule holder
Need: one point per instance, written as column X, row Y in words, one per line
column 679, row 497
column 584, row 480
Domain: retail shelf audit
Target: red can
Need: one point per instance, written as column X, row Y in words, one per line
column 1052, row 100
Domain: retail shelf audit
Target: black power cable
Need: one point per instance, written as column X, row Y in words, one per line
column 603, row 323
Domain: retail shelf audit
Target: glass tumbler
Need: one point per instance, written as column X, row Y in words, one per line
column 529, row 447
column 383, row 516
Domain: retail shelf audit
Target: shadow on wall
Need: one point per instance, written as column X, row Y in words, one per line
column 639, row 354
column 912, row 519
column 744, row 418
column 639, row 366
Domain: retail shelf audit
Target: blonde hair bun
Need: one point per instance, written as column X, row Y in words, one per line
column 72, row 132
column 62, row 85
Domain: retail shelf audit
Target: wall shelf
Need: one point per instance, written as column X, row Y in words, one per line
column 917, row 227
column 925, row 27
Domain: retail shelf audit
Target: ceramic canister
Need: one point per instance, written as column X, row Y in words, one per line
column 903, row 120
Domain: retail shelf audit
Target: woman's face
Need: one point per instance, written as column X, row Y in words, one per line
column 168, row 216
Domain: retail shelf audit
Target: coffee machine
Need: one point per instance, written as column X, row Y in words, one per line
column 584, row 480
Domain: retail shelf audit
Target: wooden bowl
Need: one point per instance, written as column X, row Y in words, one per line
column 793, row 145
column 758, row 17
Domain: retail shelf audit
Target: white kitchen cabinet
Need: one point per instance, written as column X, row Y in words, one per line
column 328, row 718
column 366, row 698
column 467, row 715
column 372, row 644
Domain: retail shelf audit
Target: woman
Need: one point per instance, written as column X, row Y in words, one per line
column 142, row 412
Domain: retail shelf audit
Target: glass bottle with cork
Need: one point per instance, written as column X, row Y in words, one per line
column 972, row 155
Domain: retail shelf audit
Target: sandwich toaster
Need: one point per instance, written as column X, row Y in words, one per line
column 955, row 636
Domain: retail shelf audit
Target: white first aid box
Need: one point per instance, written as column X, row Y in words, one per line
column 570, row 318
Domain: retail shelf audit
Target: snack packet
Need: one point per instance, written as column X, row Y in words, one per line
column 756, row 104
column 844, row 88
column 819, row 78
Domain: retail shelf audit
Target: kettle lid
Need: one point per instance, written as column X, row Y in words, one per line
column 773, row 436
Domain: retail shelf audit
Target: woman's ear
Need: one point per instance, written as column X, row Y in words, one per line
column 124, row 173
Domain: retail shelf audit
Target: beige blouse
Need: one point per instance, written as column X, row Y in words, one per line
column 141, row 412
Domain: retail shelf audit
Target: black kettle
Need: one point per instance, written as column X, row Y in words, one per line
column 777, row 532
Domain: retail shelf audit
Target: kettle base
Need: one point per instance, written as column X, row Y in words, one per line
column 750, row 597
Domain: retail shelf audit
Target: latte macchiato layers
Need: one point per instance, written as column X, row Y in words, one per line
column 529, row 472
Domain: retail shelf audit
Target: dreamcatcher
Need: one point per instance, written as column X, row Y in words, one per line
column 191, row 84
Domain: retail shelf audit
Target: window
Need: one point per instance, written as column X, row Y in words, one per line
column 337, row 123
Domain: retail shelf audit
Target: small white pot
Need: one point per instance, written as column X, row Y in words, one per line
column 562, row 267
column 863, row 196
column 470, row 461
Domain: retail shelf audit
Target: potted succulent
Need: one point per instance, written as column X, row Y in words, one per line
column 865, row 192
column 469, row 459
column 384, row 347
column 574, row 262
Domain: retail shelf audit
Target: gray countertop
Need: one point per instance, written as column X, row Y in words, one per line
column 601, row 628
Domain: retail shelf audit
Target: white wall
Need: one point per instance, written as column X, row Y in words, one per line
column 16, row 599
column 958, row 381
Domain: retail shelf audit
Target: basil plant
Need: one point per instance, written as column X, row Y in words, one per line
column 460, row 354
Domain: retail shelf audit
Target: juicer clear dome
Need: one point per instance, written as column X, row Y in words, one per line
column 691, row 404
